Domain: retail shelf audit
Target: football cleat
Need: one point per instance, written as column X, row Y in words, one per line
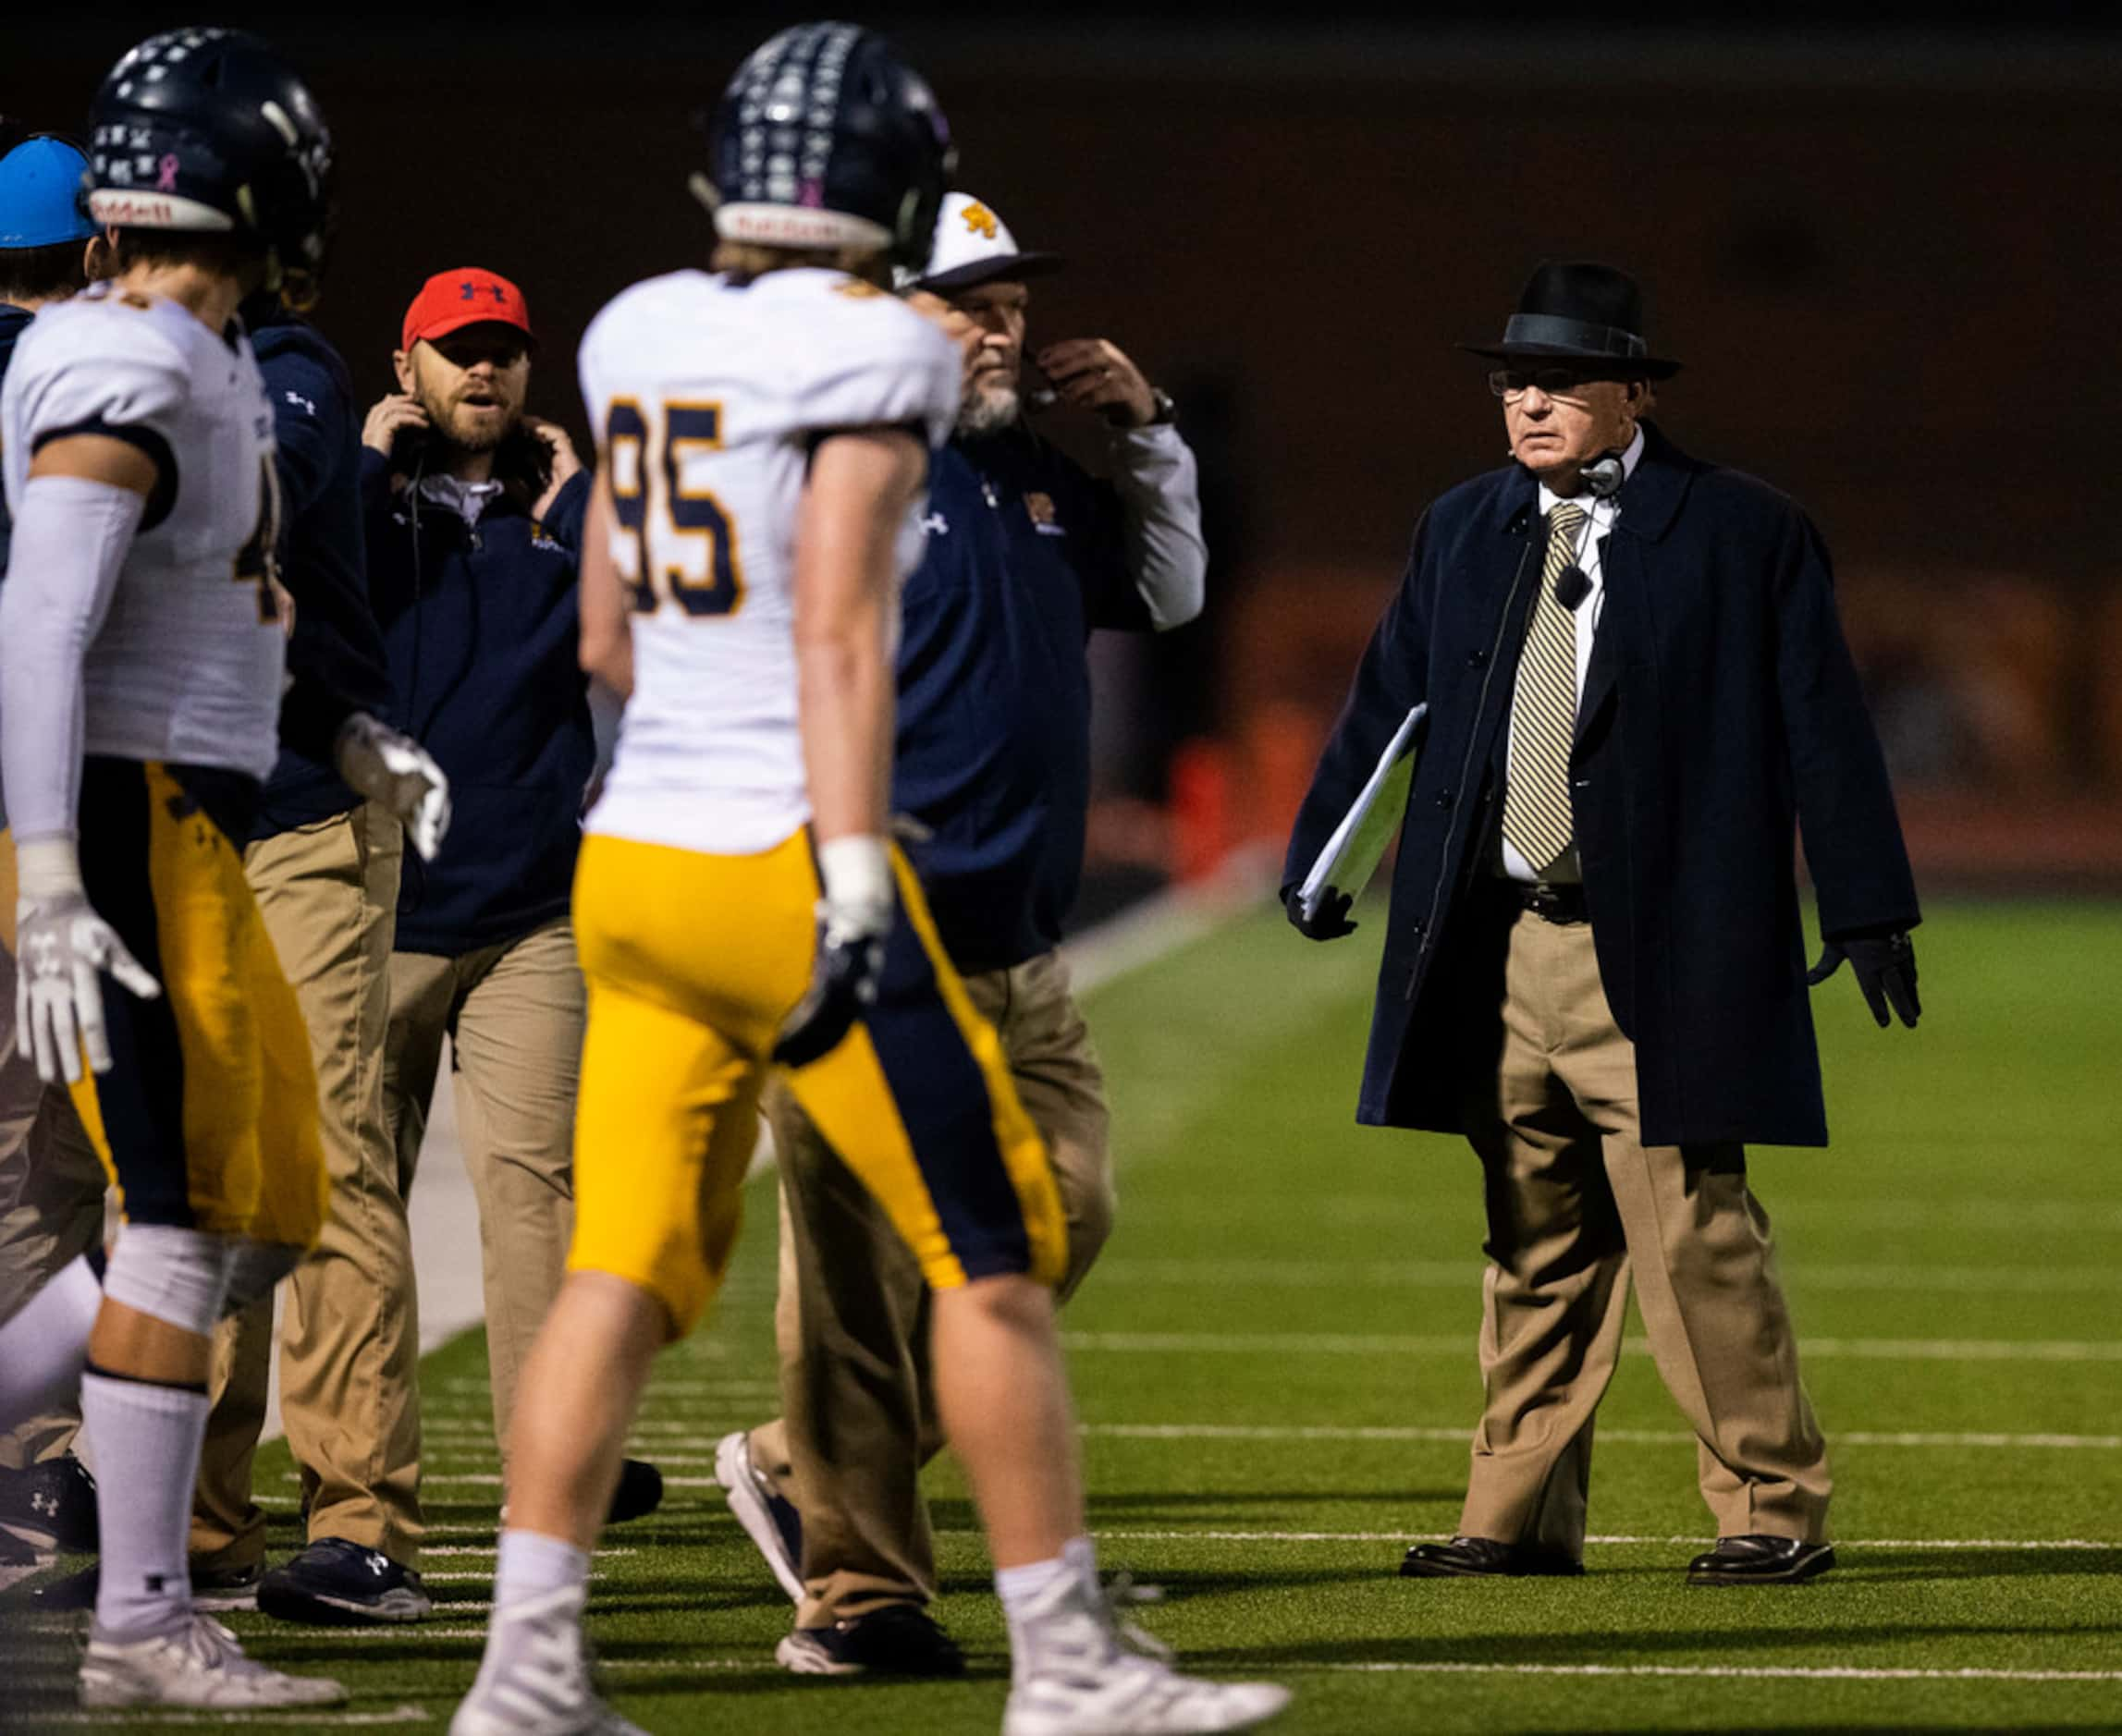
column 768, row 1517
column 199, row 1664
column 535, row 1680
column 1080, row 1671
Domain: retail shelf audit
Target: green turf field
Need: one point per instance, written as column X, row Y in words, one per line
column 1275, row 1371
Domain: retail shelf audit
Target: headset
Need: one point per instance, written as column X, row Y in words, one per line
column 1601, row 479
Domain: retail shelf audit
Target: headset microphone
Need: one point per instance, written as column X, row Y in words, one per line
column 1603, row 477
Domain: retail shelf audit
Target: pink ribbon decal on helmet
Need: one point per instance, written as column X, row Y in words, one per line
column 166, row 174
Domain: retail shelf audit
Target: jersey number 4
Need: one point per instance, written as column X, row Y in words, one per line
column 685, row 546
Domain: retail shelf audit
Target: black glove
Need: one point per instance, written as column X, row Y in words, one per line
column 843, row 981
column 1329, row 921
column 1885, row 967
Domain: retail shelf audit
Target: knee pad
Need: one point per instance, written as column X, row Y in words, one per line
column 253, row 1268
column 178, row 1276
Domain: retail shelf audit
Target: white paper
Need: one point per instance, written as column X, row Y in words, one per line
column 1358, row 843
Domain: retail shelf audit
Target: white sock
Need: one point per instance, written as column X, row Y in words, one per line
column 533, row 1565
column 46, row 1345
column 1024, row 1589
column 147, row 1439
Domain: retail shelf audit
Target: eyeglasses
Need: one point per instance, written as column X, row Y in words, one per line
column 1509, row 383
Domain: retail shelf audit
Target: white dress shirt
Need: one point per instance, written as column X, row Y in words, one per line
column 1591, row 561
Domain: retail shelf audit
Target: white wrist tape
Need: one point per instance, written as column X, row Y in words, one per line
column 178, row 1276
column 47, row 868
column 859, row 891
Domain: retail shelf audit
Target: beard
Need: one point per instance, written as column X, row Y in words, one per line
column 987, row 410
column 464, row 432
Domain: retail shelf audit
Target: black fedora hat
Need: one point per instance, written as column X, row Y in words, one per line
column 1576, row 310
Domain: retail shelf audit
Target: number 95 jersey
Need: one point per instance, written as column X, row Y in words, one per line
column 187, row 665
column 707, row 398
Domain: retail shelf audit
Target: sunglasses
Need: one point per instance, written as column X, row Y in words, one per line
column 1509, row 383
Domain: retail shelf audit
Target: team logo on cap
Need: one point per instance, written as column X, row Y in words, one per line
column 979, row 220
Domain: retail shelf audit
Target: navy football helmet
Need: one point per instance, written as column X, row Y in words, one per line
column 210, row 130
column 826, row 139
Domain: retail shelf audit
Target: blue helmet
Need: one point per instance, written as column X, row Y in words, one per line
column 826, row 139
column 40, row 189
column 210, row 130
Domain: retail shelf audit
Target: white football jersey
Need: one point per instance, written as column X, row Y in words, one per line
column 706, row 398
column 187, row 666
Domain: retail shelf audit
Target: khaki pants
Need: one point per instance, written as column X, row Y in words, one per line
column 349, row 1340
column 51, row 1189
column 513, row 1014
column 1575, row 1205
column 859, row 1417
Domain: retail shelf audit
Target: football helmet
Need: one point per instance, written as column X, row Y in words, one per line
column 209, row 129
column 826, row 139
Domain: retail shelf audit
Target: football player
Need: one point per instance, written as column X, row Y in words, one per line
column 142, row 657
column 763, row 442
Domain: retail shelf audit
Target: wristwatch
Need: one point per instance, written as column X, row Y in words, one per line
column 1165, row 411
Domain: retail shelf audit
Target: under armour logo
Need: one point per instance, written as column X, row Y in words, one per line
column 310, row 404
column 979, row 220
column 165, row 174
column 468, row 291
column 935, row 524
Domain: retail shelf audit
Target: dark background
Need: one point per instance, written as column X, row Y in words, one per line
column 1889, row 258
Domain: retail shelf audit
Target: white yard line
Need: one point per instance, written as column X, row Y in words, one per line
column 2029, row 1544
column 1721, row 1673
column 162, row 1715
column 1416, row 1344
column 1462, row 1434
column 1453, row 1275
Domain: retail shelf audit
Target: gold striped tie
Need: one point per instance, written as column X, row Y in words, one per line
column 1537, row 819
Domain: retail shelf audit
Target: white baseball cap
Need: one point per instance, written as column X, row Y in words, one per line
column 973, row 246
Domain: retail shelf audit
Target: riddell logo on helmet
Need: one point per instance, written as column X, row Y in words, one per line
column 130, row 208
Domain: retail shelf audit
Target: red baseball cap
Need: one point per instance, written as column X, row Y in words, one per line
column 452, row 300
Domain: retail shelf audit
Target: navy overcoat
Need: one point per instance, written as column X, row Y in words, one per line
column 1721, row 713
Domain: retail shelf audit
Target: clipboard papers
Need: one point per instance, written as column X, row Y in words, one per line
column 1358, row 843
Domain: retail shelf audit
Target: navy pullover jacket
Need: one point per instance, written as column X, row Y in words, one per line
column 14, row 321
column 336, row 654
column 483, row 636
column 1024, row 557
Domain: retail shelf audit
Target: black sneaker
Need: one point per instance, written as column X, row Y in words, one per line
column 891, row 1640
column 215, row 1590
column 639, row 1492
column 51, row 1506
column 335, row 1583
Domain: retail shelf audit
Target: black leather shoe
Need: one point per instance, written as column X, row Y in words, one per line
column 891, row 1640
column 1483, row 1558
column 51, row 1505
column 640, row 1491
column 1760, row 1561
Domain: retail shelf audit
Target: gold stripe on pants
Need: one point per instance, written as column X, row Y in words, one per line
column 1577, row 1204
column 853, row 1319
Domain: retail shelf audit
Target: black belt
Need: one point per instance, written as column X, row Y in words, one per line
column 1563, row 904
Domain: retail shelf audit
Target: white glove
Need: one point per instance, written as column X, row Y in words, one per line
column 854, row 917
column 396, row 770
column 60, row 945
